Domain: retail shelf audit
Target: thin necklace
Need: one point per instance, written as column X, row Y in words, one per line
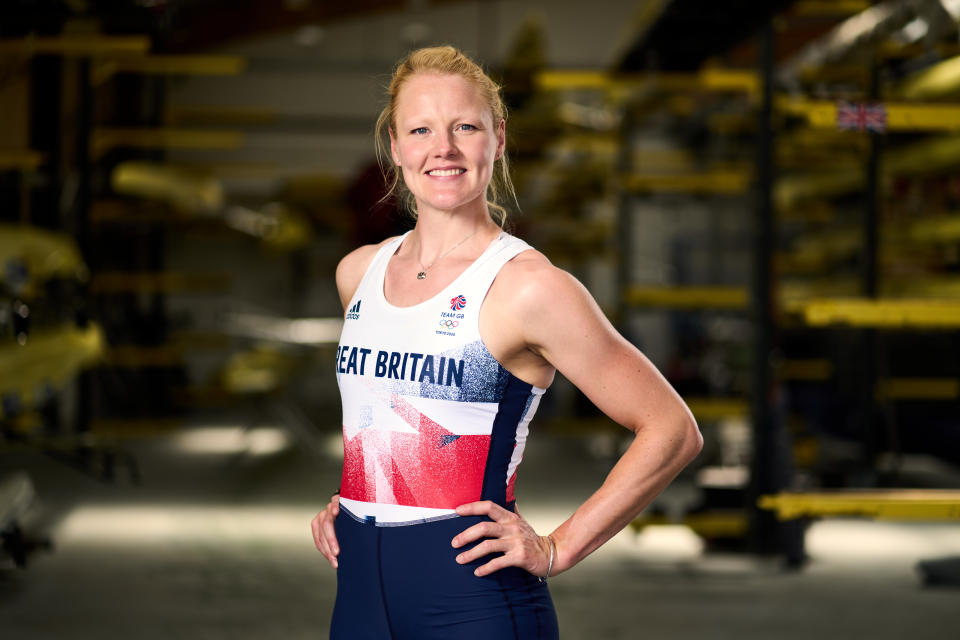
column 422, row 274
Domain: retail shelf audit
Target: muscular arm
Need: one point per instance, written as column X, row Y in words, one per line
column 583, row 345
column 554, row 319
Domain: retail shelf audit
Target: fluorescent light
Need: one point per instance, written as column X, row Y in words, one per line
column 160, row 525
column 668, row 543
column 914, row 30
column 306, row 331
column 952, row 7
column 872, row 542
column 231, row 440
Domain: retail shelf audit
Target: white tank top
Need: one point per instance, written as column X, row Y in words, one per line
column 430, row 419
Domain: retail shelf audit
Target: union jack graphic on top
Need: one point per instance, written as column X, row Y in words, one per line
column 457, row 303
column 861, row 116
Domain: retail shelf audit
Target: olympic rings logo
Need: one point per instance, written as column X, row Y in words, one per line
column 449, row 324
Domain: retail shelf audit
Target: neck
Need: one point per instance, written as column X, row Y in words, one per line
column 435, row 234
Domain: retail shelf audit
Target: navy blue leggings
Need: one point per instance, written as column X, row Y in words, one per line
column 404, row 583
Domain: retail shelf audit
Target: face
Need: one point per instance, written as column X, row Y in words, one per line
column 445, row 142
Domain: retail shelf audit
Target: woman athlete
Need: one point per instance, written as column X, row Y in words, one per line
column 452, row 333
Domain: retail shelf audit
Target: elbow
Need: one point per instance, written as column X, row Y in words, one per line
column 692, row 439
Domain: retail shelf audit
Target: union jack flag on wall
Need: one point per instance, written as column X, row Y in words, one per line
column 861, row 116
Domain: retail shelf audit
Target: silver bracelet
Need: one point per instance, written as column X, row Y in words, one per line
column 553, row 547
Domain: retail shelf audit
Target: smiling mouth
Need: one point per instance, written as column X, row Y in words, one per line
column 443, row 173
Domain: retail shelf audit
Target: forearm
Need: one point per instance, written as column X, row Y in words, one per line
column 653, row 459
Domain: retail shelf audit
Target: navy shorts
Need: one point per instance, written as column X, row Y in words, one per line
column 404, row 583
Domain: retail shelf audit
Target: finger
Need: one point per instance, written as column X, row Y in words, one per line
column 315, row 530
column 485, row 508
column 322, row 530
column 330, row 536
column 499, row 562
column 321, row 542
column 485, row 548
column 484, row 529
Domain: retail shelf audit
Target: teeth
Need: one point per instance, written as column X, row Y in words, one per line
column 446, row 172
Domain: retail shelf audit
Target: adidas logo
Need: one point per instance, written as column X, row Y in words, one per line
column 354, row 312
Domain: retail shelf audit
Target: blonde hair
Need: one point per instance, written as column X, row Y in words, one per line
column 443, row 60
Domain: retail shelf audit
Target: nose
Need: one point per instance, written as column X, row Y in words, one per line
column 445, row 145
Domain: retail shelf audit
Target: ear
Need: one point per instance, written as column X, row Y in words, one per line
column 501, row 138
column 393, row 148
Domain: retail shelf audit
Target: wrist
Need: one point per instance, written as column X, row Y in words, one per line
column 552, row 551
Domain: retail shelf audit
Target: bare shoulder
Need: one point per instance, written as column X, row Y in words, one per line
column 530, row 282
column 547, row 320
column 351, row 268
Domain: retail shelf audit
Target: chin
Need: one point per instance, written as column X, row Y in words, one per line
column 449, row 204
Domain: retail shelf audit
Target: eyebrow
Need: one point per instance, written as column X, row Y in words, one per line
column 412, row 122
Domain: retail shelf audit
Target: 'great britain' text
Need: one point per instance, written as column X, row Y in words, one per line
column 413, row 367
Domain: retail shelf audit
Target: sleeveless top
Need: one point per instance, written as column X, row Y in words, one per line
column 430, row 419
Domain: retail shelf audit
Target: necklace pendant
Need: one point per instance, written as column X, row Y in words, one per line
column 422, row 275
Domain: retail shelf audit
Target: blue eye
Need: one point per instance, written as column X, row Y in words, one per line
column 419, row 131
column 467, row 127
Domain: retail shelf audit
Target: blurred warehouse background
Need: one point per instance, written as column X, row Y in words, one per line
column 763, row 196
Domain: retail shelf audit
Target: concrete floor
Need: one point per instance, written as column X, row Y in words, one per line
column 215, row 543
